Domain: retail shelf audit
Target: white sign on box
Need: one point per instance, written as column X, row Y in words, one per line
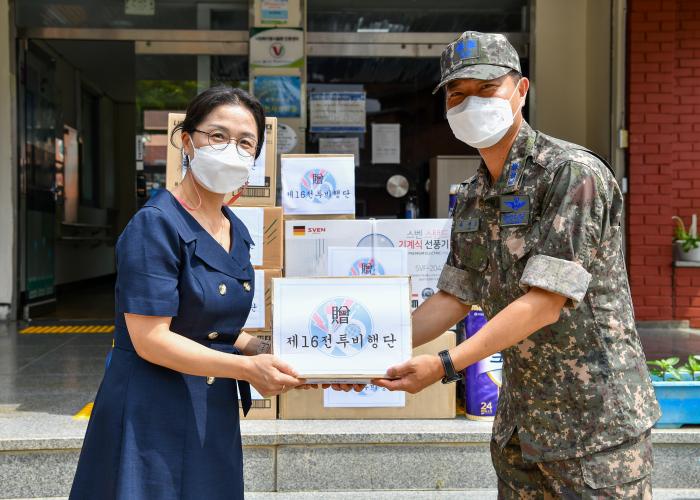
column 256, row 317
column 253, row 219
column 371, row 396
column 318, row 184
column 367, row 261
column 342, row 329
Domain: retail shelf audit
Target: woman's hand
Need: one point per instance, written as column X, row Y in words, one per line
column 271, row 376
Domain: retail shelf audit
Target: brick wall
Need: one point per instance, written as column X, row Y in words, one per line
column 664, row 154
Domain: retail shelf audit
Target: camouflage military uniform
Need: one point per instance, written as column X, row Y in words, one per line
column 578, row 388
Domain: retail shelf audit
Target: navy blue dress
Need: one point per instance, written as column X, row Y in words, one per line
column 156, row 433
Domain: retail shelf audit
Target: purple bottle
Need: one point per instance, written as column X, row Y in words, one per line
column 483, row 378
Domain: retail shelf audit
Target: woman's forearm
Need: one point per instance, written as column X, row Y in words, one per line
column 158, row 345
column 250, row 345
column 520, row 319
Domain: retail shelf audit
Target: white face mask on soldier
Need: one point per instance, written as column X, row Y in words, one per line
column 481, row 121
column 221, row 170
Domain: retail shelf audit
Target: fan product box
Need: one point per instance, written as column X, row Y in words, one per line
column 260, row 317
column 262, row 183
column 426, row 242
column 262, row 408
column 335, row 330
column 266, row 227
column 435, row 401
column 314, row 184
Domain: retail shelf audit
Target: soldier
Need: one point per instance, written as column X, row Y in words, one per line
column 536, row 242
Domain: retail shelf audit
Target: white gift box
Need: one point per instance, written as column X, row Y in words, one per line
column 310, row 249
column 342, row 330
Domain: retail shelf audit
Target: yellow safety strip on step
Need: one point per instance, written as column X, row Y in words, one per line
column 70, row 329
column 84, row 414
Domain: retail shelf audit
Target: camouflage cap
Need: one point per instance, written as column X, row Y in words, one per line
column 483, row 56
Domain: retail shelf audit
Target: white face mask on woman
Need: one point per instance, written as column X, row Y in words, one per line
column 221, row 170
column 481, row 121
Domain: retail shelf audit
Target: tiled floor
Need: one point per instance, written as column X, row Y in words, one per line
column 54, row 374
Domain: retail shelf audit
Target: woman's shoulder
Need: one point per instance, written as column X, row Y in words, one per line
column 157, row 219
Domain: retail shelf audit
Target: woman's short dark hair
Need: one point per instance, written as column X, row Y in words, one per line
column 204, row 103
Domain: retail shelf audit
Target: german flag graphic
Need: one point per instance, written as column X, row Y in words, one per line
column 299, row 231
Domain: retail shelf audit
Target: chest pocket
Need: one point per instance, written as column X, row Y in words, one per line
column 470, row 240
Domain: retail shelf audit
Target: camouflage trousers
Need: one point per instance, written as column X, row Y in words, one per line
column 623, row 471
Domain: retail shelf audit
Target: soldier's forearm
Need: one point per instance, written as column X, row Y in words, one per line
column 523, row 317
column 435, row 315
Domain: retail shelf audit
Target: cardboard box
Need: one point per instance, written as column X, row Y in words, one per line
column 262, row 190
column 427, row 242
column 173, row 165
column 436, row 401
column 340, row 329
column 260, row 317
column 266, row 227
column 314, row 184
column 262, row 408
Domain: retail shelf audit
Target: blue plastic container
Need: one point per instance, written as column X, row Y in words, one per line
column 680, row 403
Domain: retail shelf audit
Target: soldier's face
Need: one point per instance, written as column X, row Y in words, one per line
column 457, row 91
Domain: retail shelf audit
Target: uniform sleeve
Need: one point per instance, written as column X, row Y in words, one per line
column 148, row 265
column 571, row 229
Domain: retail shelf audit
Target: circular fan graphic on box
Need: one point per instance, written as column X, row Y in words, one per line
column 339, row 327
column 320, row 183
column 375, row 240
column 367, row 266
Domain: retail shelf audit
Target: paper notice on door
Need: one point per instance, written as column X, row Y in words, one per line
column 254, row 220
column 386, row 143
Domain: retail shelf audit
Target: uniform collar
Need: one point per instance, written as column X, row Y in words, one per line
column 235, row 263
column 513, row 168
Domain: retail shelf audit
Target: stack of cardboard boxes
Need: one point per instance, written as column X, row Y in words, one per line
column 265, row 223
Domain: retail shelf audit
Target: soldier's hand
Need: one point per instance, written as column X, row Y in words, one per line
column 414, row 375
column 345, row 387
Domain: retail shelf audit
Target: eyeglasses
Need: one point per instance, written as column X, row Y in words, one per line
column 219, row 140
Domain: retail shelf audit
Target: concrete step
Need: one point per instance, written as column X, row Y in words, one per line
column 476, row 494
column 437, row 458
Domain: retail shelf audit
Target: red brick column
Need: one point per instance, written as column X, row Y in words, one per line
column 664, row 155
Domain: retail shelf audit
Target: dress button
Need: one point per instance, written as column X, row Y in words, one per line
column 246, row 286
column 210, row 380
column 222, row 288
column 213, row 335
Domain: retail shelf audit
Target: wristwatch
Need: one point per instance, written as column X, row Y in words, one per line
column 451, row 375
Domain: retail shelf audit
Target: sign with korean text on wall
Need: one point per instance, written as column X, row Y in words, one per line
column 337, row 111
column 280, row 95
column 318, row 184
column 285, row 13
column 277, row 48
column 338, row 328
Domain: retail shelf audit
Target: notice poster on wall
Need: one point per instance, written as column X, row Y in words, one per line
column 282, row 13
column 337, row 111
column 280, row 95
column 386, row 143
column 277, row 48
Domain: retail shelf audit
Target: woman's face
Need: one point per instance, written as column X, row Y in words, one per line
column 228, row 121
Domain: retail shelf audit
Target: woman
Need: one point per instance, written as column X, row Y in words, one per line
column 165, row 422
